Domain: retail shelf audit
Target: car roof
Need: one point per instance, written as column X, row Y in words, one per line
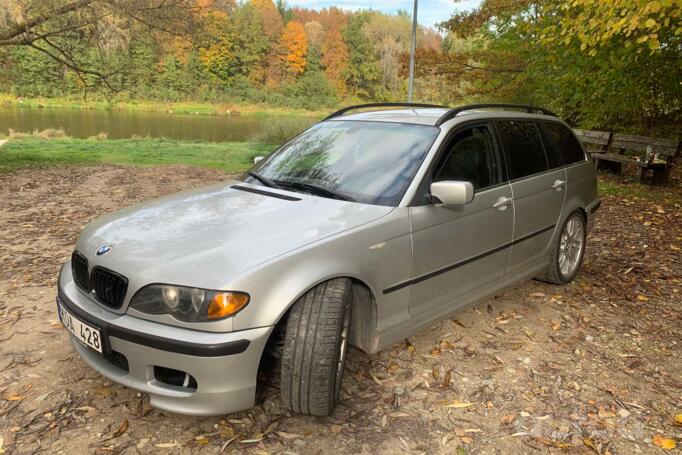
column 430, row 115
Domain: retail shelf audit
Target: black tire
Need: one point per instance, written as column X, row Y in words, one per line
column 552, row 274
column 310, row 374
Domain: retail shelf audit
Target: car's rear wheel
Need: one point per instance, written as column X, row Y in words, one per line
column 566, row 251
column 315, row 345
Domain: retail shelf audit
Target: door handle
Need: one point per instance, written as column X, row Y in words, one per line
column 502, row 203
column 559, row 184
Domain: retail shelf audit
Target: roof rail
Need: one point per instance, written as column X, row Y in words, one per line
column 361, row 106
column 452, row 113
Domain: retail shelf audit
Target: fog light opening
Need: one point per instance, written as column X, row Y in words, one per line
column 175, row 378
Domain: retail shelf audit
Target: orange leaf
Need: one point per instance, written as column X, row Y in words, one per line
column 663, row 442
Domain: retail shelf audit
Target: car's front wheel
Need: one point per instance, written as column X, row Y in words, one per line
column 566, row 251
column 315, row 345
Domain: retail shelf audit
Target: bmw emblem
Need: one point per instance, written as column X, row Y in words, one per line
column 103, row 249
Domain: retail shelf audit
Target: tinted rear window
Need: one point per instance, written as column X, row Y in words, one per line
column 565, row 143
column 523, row 146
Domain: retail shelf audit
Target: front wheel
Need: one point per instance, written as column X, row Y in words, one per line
column 566, row 251
column 315, row 345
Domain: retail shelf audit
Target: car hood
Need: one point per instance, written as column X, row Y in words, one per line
column 205, row 237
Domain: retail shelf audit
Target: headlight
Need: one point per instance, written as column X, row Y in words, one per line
column 188, row 304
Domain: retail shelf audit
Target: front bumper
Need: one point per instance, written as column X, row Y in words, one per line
column 225, row 365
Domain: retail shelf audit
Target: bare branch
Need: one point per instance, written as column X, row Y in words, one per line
column 73, row 66
column 26, row 26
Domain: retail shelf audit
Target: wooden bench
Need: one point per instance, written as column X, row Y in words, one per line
column 653, row 156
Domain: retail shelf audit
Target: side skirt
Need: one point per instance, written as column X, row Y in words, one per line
column 414, row 324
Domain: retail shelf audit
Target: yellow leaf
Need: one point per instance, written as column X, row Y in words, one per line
column 678, row 419
column 201, row 440
column 674, row 248
column 654, row 7
column 642, row 298
column 663, row 442
column 650, row 23
column 459, row 404
column 14, row 397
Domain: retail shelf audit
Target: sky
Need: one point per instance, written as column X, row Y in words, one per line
column 429, row 12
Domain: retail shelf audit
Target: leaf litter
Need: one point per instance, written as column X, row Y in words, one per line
column 603, row 352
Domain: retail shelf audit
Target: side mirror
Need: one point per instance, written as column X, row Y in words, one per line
column 258, row 159
column 452, row 192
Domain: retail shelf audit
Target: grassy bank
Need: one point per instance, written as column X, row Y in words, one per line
column 38, row 152
column 195, row 108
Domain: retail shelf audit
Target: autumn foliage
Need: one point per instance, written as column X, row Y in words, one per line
column 295, row 44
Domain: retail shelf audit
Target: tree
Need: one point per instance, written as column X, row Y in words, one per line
column 603, row 65
column 48, row 26
column 272, row 26
column 295, row 43
column 362, row 70
column 391, row 36
column 215, row 46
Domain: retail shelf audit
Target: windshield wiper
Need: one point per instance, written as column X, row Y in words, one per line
column 316, row 189
column 265, row 181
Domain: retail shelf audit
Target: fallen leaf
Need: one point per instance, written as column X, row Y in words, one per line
column 642, row 298
column 89, row 410
column 678, row 419
column 551, row 443
column 446, row 379
column 537, row 294
column 167, row 445
column 459, row 404
column 509, row 418
column 663, row 442
column 409, row 346
column 556, row 325
column 251, row 441
column 285, row 435
column 121, row 429
column 201, row 440
column 14, row 397
column 466, row 440
column 435, row 372
column 227, row 443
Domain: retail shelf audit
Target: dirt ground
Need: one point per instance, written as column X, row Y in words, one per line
column 592, row 367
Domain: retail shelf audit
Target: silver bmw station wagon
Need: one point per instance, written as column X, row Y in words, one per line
column 361, row 230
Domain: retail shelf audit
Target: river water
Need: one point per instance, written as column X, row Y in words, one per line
column 121, row 125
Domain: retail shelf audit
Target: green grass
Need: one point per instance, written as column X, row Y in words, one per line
column 189, row 107
column 610, row 186
column 29, row 152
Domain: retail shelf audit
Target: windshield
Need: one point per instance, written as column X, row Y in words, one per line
column 369, row 162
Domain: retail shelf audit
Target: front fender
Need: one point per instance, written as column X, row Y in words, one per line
column 377, row 254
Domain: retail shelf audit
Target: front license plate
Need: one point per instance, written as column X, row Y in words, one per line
column 86, row 334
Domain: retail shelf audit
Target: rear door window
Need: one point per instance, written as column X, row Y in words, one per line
column 523, row 148
column 564, row 142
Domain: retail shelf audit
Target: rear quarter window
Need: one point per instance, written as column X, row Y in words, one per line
column 523, row 147
column 564, row 143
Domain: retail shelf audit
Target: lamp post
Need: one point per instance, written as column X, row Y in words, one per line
column 410, row 84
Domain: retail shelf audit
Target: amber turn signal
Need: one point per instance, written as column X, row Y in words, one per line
column 226, row 304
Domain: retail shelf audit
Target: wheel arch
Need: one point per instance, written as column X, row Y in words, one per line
column 364, row 311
